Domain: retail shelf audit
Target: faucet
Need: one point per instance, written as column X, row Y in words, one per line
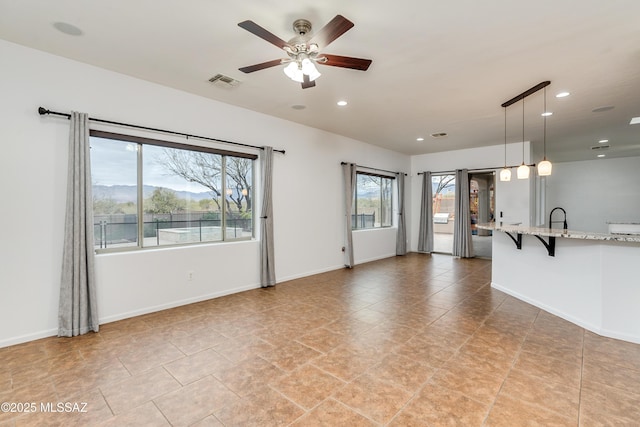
column 551, row 216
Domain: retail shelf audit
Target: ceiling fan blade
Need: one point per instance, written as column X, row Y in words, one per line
column 346, row 62
column 334, row 29
column 257, row 30
column 261, row 66
column 306, row 83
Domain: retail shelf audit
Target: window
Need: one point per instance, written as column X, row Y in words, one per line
column 150, row 193
column 372, row 201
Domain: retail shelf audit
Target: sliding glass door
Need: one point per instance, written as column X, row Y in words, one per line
column 481, row 205
column 444, row 190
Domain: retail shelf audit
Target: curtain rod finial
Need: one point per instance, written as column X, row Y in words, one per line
column 42, row 111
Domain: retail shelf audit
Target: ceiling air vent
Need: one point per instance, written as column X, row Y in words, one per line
column 224, row 81
column 600, row 147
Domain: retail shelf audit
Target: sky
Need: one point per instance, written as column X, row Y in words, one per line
column 114, row 163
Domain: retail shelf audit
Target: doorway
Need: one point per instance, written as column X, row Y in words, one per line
column 482, row 206
column 443, row 189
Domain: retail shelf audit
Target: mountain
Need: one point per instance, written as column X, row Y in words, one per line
column 129, row 193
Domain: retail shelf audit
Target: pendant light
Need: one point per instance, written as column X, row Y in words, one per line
column 545, row 166
column 523, row 170
column 505, row 173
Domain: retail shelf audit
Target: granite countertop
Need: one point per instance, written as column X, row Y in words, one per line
column 558, row 232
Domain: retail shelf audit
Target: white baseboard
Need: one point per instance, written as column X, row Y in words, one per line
column 126, row 315
column 29, row 337
column 377, row 258
column 580, row 322
column 173, row 304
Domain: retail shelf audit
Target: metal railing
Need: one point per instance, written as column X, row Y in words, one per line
column 125, row 233
column 363, row 220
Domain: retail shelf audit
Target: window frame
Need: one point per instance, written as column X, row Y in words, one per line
column 391, row 201
column 141, row 142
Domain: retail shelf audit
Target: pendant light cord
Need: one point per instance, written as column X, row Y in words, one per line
column 505, row 137
column 544, row 126
column 523, row 131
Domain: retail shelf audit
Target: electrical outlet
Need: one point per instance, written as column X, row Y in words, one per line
column 190, row 275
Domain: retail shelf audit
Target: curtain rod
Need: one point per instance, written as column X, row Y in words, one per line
column 475, row 170
column 373, row 169
column 42, row 111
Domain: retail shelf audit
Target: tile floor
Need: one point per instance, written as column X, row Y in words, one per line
column 408, row 341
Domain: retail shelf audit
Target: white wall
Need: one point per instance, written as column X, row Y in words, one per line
column 307, row 195
column 594, row 192
column 513, row 198
column 592, row 283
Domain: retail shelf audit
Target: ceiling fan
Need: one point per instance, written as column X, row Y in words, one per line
column 304, row 50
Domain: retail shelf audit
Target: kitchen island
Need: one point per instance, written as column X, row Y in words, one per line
column 590, row 279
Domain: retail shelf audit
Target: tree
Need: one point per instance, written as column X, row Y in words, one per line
column 202, row 168
column 205, row 204
column 443, row 182
column 164, row 200
column 239, row 176
column 206, row 170
column 106, row 205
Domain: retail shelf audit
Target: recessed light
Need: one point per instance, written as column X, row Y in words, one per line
column 602, row 155
column 69, row 29
column 603, row 141
column 342, row 103
column 635, row 121
column 420, row 138
column 547, row 114
column 562, row 94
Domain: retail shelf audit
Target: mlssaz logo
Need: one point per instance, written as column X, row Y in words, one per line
column 80, row 407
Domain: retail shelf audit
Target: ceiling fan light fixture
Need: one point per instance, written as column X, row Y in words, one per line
column 304, row 50
column 294, row 72
column 309, row 69
column 314, row 75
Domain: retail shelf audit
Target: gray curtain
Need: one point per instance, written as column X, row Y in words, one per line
column 462, row 243
column 401, row 239
column 425, row 236
column 349, row 173
column 78, row 311
column 267, row 255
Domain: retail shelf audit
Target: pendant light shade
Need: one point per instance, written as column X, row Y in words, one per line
column 505, row 174
column 544, row 167
column 523, row 171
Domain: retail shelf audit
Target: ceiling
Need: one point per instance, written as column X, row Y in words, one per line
column 438, row 66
